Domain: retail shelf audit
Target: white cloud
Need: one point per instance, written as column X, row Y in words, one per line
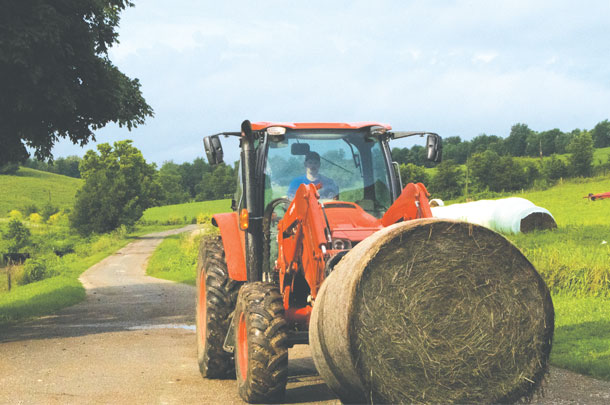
column 456, row 67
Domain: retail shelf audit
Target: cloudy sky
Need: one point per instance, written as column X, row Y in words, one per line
column 452, row 67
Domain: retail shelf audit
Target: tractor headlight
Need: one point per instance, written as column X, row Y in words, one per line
column 342, row 244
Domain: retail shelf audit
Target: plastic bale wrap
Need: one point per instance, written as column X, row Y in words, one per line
column 508, row 215
column 433, row 311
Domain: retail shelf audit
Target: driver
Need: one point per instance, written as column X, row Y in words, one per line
column 312, row 168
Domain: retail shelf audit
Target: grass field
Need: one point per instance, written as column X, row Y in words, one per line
column 184, row 213
column 582, row 335
column 29, row 186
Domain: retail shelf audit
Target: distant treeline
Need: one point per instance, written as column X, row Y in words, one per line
column 67, row 166
column 196, row 181
column 522, row 141
column 488, row 165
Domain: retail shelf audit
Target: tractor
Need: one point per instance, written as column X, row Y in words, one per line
column 260, row 279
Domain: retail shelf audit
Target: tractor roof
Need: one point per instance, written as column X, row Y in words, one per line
column 257, row 126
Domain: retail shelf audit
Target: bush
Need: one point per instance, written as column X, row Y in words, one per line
column 17, row 236
column 204, row 218
column 35, row 218
column 37, row 269
column 29, row 209
column 57, row 218
column 47, row 210
column 15, row 214
column 411, row 173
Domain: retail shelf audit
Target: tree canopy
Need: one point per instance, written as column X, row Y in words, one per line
column 119, row 186
column 56, row 79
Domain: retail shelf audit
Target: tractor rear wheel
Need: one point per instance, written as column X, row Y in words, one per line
column 216, row 297
column 261, row 350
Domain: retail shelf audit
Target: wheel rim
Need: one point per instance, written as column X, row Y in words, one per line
column 202, row 303
column 242, row 342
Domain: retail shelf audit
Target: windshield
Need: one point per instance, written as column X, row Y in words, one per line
column 349, row 164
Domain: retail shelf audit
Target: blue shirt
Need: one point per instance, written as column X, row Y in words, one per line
column 329, row 187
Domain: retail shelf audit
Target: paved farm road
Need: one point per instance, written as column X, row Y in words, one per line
column 132, row 341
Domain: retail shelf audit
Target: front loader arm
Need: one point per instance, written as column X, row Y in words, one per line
column 302, row 238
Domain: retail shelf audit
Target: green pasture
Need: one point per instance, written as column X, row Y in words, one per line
column 29, row 186
column 184, row 213
column 574, row 260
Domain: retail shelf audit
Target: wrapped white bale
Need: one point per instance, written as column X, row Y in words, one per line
column 508, row 215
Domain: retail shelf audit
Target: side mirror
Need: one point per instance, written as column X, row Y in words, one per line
column 434, row 145
column 299, row 148
column 213, row 149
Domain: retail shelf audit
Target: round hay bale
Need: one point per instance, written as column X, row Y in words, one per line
column 433, row 311
column 537, row 221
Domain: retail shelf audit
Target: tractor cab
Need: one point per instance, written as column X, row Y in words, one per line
column 357, row 181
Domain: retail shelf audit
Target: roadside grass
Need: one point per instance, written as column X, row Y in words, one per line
column 29, row 186
column 582, row 335
column 175, row 258
column 51, row 294
column 186, row 213
column 63, row 288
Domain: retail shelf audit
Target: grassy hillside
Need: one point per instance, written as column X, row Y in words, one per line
column 29, row 186
column 184, row 213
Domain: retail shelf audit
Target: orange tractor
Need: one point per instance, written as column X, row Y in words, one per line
column 259, row 281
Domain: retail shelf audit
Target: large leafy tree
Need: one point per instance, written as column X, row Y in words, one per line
column 516, row 142
column 601, row 134
column 56, row 80
column 448, row 180
column 581, row 154
column 119, row 186
column 172, row 184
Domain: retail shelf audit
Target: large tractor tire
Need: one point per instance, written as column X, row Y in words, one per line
column 216, row 297
column 261, row 351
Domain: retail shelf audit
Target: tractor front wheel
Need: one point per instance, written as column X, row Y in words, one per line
column 216, row 297
column 261, row 350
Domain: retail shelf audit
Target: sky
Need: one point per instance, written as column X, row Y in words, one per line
column 458, row 68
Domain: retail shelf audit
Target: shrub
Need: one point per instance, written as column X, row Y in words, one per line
column 29, row 209
column 57, row 218
column 36, row 269
column 203, row 218
column 17, row 236
column 15, row 214
column 48, row 210
column 35, row 218
column 173, row 220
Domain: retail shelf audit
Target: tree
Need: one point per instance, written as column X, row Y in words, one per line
column 217, row 185
column 411, row 173
column 516, row 142
column 9, row 168
column 56, row 79
column 581, row 155
column 554, row 168
column 192, row 173
column 172, row 185
column 500, row 173
column 17, row 236
column 448, row 180
column 601, row 134
column 119, row 186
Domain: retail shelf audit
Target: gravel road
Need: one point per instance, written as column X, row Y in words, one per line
column 132, row 341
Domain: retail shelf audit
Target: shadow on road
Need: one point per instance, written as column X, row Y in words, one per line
column 113, row 309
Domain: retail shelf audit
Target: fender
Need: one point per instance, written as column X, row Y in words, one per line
column 234, row 243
